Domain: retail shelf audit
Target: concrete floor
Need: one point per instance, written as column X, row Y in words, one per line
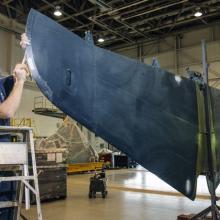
column 127, row 200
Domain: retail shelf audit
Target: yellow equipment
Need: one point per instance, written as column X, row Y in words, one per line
column 84, row 167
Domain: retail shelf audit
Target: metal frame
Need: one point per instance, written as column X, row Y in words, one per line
column 43, row 107
column 210, row 174
column 118, row 20
column 28, row 141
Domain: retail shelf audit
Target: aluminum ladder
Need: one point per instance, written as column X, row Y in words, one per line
column 15, row 154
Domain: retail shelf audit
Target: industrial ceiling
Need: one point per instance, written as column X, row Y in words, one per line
column 121, row 22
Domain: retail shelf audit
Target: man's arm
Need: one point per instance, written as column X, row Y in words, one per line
column 11, row 104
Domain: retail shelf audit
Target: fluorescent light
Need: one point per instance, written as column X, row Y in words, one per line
column 198, row 14
column 101, row 40
column 57, row 11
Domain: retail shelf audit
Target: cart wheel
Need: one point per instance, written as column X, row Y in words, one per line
column 90, row 195
column 103, row 195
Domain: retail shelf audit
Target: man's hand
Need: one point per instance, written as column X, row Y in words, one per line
column 20, row 72
column 24, row 41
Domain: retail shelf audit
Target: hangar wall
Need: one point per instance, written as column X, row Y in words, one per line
column 178, row 52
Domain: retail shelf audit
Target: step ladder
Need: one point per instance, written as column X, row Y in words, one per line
column 16, row 154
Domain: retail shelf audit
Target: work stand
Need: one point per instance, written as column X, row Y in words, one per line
column 14, row 156
column 210, row 173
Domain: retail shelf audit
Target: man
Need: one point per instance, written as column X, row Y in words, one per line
column 10, row 104
column 11, row 89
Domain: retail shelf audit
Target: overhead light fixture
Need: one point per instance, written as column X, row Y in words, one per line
column 57, row 12
column 198, row 13
column 101, row 40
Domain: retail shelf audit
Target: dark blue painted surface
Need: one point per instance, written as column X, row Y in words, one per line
column 142, row 110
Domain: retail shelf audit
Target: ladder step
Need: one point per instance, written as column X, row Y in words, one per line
column 16, row 178
column 8, row 204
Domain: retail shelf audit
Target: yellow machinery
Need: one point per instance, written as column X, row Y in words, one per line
column 84, row 167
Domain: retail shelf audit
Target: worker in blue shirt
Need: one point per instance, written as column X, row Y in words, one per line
column 11, row 89
column 9, row 105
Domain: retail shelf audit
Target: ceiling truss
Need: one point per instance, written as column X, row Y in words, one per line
column 120, row 21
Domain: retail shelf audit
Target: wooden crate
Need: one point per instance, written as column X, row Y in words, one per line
column 52, row 170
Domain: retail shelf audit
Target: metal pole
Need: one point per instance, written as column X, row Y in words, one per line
column 34, row 168
column 211, row 172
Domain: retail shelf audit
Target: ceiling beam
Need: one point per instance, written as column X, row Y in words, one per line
column 78, row 14
column 113, row 11
column 13, row 8
column 146, row 20
column 182, row 22
column 105, row 26
column 7, row 8
column 98, row 23
column 185, row 21
column 111, row 29
column 156, row 39
column 117, row 20
column 155, row 9
column 7, row 2
column 110, row 12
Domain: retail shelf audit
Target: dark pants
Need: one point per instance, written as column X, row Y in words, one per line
column 7, row 193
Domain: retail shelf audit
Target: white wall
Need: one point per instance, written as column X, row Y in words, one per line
column 45, row 125
column 177, row 53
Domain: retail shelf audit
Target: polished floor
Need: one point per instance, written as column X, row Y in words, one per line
column 129, row 198
column 139, row 178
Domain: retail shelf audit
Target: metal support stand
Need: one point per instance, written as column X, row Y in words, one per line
column 16, row 154
column 210, row 175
